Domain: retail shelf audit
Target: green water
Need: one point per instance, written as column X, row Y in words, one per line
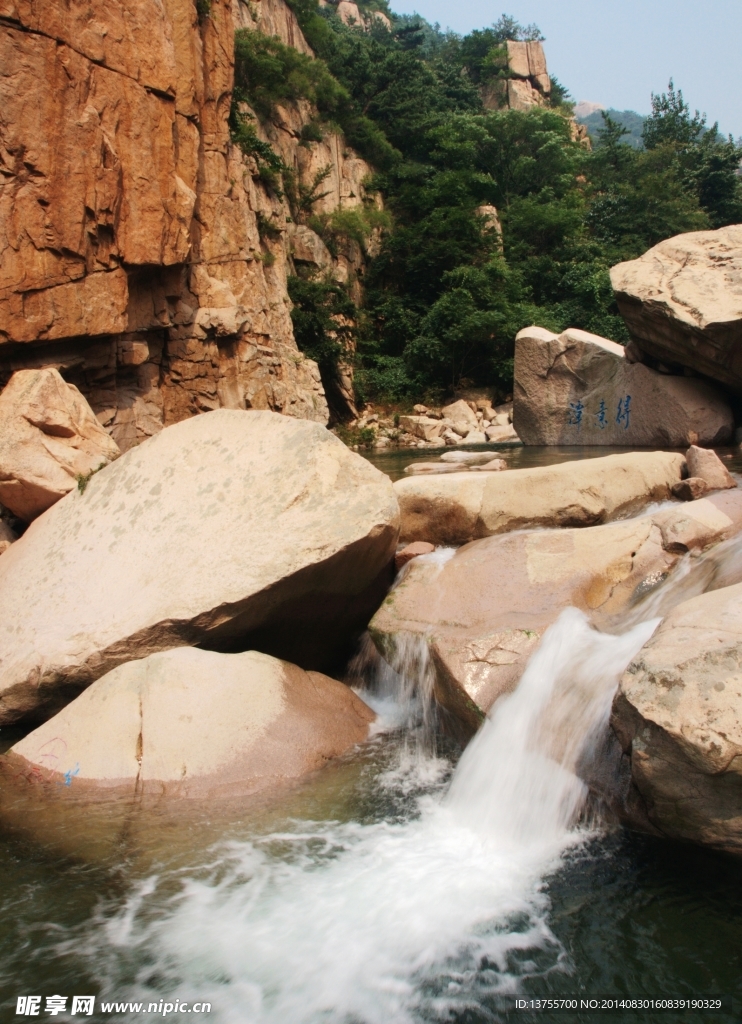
column 519, row 456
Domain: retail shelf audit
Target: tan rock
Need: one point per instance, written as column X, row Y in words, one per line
column 494, row 466
column 411, row 551
column 499, row 434
column 522, row 95
column 349, row 14
column 677, row 717
column 482, row 612
column 460, row 412
column 7, row 536
column 426, row 468
column 682, row 302
column 578, row 388
column 464, row 507
column 518, row 62
column 308, row 247
column 708, row 466
column 691, row 489
column 231, row 530
column 191, row 723
column 476, row 437
column 465, row 457
column 49, row 437
column 424, row 427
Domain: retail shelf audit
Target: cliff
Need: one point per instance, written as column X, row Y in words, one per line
column 130, row 239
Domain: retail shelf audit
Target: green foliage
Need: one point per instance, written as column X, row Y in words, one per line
column 267, row 72
column 356, row 437
column 444, row 293
column 203, row 10
column 270, row 166
column 301, row 196
column 83, row 479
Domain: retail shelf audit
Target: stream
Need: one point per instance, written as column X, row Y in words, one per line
column 405, row 883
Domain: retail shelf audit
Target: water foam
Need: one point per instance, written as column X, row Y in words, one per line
column 391, row 920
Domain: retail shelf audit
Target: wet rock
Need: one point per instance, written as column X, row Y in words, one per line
column 462, row 507
column 678, row 718
column 691, row 489
column 682, row 302
column 465, row 457
column 482, row 612
column 708, row 466
column 406, row 555
column 495, row 466
column 429, row 468
column 232, row 530
column 190, row 723
column 49, row 436
column 578, row 388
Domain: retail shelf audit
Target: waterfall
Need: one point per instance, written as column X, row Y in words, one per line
column 429, row 900
column 517, row 780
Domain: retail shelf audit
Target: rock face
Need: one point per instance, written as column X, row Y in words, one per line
column 678, row 718
column 191, row 723
column 48, row 437
column 232, row 530
column 482, row 612
column 130, row 237
column 682, row 302
column 577, row 388
column 528, row 83
column 464, row 506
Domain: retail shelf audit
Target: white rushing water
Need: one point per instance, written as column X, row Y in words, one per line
column 398, row 920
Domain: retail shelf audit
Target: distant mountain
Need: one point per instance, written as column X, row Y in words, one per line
column 628, row 118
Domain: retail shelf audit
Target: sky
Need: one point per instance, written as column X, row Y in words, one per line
column 617, row 52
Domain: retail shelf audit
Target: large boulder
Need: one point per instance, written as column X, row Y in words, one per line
column 232, row 530
column 482, row 612
column 678, row 718
column 49, row 436
column 465, row 506
column 682, row 302
column 577, row 388
column 191, row 723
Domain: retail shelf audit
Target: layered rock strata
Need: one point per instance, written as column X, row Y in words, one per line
column 578, row 388
column 190, row 723
column 466, row 506
column 677, row 718
column 130, row 225
column 482, row 612
column 232, row 530
column 682, row 302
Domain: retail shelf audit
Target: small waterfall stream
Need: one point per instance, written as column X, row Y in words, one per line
column 434, row 911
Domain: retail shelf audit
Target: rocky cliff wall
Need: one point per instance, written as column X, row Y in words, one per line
column 131, row 257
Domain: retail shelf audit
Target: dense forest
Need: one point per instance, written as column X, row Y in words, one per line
column 445, row 294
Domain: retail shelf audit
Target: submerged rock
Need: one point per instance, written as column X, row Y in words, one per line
column 578, row 388
column 232, row 530
column 465, row 506
column 678, row 718
column 49, row 436
column 483, row 611
column 190, row 723
column 682, row 302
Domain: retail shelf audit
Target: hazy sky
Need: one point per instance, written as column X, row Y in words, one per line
column 618, row 52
